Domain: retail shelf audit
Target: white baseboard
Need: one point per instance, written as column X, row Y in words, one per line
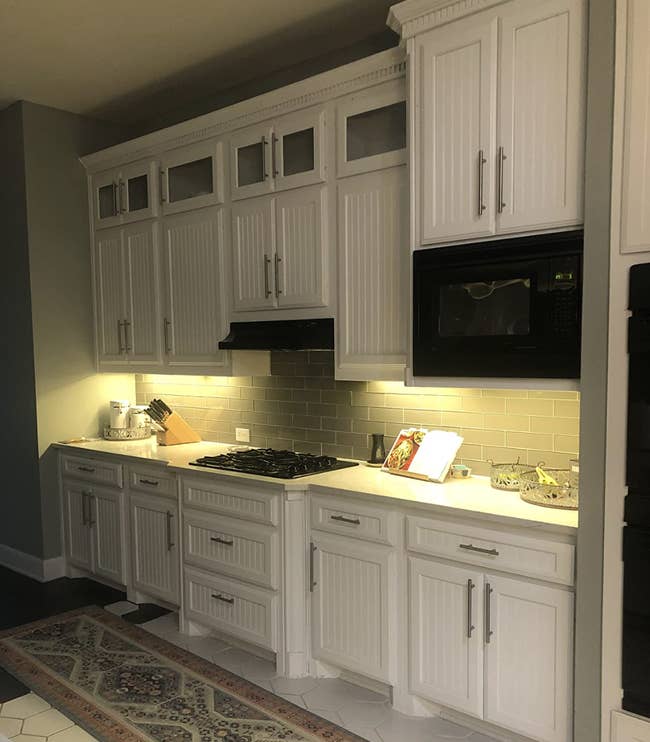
column 42, row 570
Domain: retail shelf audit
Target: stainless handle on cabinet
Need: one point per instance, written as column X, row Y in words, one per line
column 163, row 196
column 84, row 516
column 343, row 519
column 121, row 200
column 264, row 145
column 471, row 547
column 230, row 601
column 481, row 173
column 166, row 324
column 278, row 260
column 312, row 581
column 150, row 482
column 274, row 166
column 119, row 336
column 218, row 540
column 488, row 628
column 127, row 347
column 91, row 522
column 500, row 202
column 267, row 290
column 170, row 540
column 88, row 469
column 470, row 626
column 116, row 208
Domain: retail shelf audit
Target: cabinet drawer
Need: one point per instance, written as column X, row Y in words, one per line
column 92, row 470
column 243, row 611
column 340, row 515
column 152, row 482
column 532, row 557
column 241, row 501
column 241, row 550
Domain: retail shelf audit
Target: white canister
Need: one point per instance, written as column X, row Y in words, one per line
column 119, row 413
column 138, row 417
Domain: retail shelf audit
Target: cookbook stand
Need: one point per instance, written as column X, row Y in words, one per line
column 178, row 431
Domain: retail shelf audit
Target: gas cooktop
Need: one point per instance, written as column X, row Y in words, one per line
column 267, row 462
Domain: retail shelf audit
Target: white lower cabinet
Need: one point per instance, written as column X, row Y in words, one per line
column 94, row 522
column 154, row 547
column 498, row 648
column 628, row 728
column 351, row 583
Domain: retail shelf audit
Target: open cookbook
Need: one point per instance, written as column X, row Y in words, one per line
column 423, row 454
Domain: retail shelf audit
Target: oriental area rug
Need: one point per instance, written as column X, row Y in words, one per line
column 119, row 682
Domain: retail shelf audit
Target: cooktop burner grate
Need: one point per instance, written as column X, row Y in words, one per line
column 267, row 462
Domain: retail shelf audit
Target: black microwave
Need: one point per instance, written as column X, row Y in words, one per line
column 507, row 308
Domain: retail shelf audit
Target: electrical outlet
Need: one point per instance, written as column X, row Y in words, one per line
column 243, row 435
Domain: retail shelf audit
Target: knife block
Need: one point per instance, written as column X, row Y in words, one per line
column 178, row 431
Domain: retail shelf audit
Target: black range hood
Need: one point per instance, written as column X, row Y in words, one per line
column 297, row 334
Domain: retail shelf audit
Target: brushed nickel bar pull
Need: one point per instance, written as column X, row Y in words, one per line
column 500, row 202
column 89, row 469
column 116, row 208
column 166, row 324
column 274, row 161
column 471, row 547
column 488, row 618
column 278, row 260
column 150, row 482
column 481, row 173
column 122, row 202
column 230, row 601
column 92, row 522
column 312, row 581
column 170, row 540
column 267, row 290
column 127, row 325
column 219, row 540
column 84, row 516
column 470, row 625
column 119, row 336
column 343, row 519
column 163, row 196
column 264, row 146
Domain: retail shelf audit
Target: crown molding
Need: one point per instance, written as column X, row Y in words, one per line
column 364, row 73
column 416, row 16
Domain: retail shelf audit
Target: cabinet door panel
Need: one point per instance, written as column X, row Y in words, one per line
column 446, row 663
column 456, row 125
column 250, row 162
column 351, row 619
column 79, row 548
column 192, row 177
column 106, row 207
column 253, row 244
column 299, row 267
column 109, row 296
column 139, row 197
column 196, row 308
column 373, row 275
column 142, row 332
column 528, row 662
column 541, row 113
column 154, row 547
column 298, row 142
column 107, row 525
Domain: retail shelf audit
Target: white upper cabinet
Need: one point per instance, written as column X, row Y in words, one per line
column 541, row 114
column 191, row 177
column 371, row 130
column 373, row 268
column 457, row 128
column 125, row 194
column 287, row 152
column 498, row 102
column 194, row 318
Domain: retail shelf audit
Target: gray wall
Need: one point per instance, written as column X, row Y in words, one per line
column 20, row 512
column 594, row 370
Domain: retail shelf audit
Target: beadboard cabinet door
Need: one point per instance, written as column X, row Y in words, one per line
column 109, row 297
column 106, row 522
column 350, row 619
column 253, row 245
column 299, row 259
column 373, row 267
column 529, row 658
column 154, row 547
column 194, row 319
column 542, row 93
column 456, row 129
column 447, row 635
column 78, row 535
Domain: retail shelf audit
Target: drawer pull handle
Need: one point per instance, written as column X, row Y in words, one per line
column 471, row 547
column 470, row 625
column 150, row 482
column 230, row 601
column 89, row 469
column 223, row 541
column 343, row 519
column 170, row 535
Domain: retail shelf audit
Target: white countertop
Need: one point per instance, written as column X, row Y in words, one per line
column 455, row 496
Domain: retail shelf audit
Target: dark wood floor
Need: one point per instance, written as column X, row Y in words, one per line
column 23, row 600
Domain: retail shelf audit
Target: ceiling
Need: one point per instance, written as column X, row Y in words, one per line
column 127, row 60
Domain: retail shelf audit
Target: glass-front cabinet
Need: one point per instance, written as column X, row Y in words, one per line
column 191, row 177
column 371, row 130
column 275, row 156
column 126, row 194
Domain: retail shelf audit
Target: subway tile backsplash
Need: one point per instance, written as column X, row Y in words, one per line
column 301, row 406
